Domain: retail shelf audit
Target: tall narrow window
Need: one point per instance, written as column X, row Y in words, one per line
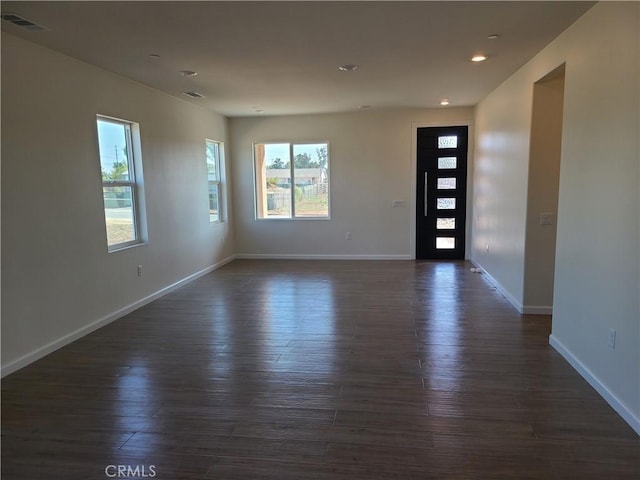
column 121, row 181
column 292, row 180
column 213, row 179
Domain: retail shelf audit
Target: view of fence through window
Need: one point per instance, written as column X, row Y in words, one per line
column 292, row 189
column 118, row 181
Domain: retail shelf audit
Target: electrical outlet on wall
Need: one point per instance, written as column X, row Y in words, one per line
column 139, row 270
column 612, row 338
column 348, row 236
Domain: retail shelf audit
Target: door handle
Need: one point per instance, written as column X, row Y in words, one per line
column 426, row 201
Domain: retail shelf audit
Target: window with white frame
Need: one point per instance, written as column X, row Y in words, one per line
column 118, row 146
column 292, row 180
column 213, row 155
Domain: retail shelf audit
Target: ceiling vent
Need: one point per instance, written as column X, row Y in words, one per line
column 22, row 22
column 193, row 94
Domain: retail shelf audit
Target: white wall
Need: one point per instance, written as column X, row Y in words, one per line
column 58, row 281
column 501, row 158
column 598, row 241
column 371, row 155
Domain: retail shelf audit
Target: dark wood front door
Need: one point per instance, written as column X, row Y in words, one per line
column 441, row 193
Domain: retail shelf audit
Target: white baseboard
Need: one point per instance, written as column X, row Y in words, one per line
column 504, row 292
column 628, row 416
column 278, row 256
column 87, row 329
column 537, row 310
column 523, row 309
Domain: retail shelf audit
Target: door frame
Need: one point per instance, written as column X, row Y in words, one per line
column 414, row 165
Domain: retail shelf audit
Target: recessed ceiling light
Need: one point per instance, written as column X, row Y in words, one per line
column 154, row 55
column 493, row 36
column 478, row 58
column 348, row 67
column 188, row 73
column 444, row 101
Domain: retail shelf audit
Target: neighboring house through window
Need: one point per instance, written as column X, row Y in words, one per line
column 292, row 189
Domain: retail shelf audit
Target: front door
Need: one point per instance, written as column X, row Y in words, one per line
column 441, row 193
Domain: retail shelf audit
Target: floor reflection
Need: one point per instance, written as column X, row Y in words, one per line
column 439, row 326
column 136, row 403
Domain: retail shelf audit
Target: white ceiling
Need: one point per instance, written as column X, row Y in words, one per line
column 282, row 57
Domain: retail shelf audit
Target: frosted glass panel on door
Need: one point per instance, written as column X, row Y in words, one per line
column 443, row 243
column 450, row 141
column 448, row 183
column 447, row 163
column 446, row 223
column 446, row 203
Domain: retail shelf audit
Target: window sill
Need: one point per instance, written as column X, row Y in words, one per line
column 126, row 246
column 304, row 219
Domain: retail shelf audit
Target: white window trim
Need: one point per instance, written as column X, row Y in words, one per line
column 217, row 182
column 291, row 167
column 134, row 160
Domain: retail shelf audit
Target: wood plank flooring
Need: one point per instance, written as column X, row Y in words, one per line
column 315, row 370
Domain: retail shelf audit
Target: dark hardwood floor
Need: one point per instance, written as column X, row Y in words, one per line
column 315, row 370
